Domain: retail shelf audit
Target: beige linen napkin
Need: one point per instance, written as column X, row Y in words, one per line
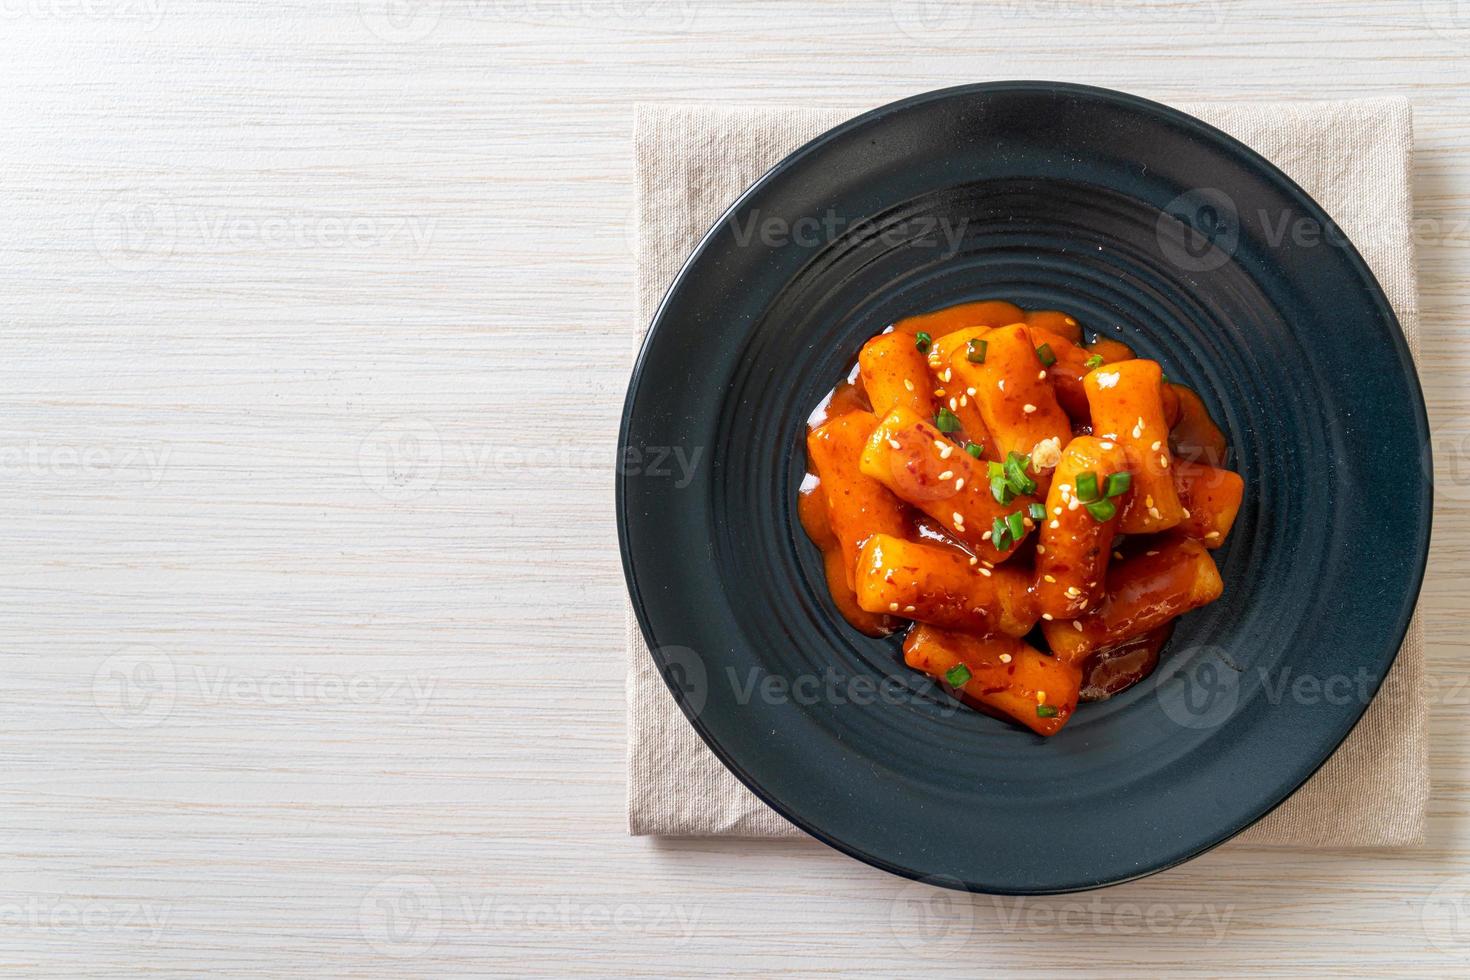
column 1353, row 157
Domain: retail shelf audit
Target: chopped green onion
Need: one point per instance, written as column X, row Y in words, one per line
column 1046, row 711
column 1095, row 361
column 923, row 342
column 999, row 533
column 976, row 353
column 1045, row 355
column 1015, row 469
column 994, row 470
column 1119, row 483
column 946, row 421
column 1000, row 491
column 974, row 449
column 1037, row 511
column 1087, row 486
column 957, row 675
column 1102, row 510
column 1016, row 524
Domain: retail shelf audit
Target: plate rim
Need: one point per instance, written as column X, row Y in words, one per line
column 1200, row 130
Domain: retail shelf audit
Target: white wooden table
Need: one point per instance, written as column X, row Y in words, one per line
column 314, row 334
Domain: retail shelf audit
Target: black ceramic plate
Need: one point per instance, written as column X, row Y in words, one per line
column 1147, row 225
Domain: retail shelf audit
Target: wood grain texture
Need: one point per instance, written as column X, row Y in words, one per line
column 315, row 334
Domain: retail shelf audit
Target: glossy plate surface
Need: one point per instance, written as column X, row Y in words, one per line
column 1149, row 226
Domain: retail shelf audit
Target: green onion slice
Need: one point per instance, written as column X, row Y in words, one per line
column 1037, row 511
column 946, row 421
column 1087, row 486
column 957, row 675
column 1016, row 524
column 1095, row 361
column 1000, row 491
column 1044, row 354
column 998, row 533
column 1046, row 711
column 974, row 449
column 1015, row 469
column 976, row 352
column 1102, row 510
column 1119, row 483
column 923, row 342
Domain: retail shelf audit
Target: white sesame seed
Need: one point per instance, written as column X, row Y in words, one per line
column 1118, row 555
column 1005, row 658
column 959, row 484
column 1106, row 445
column 1041, row 697
column 893, row 607
column 954, row 403
column 946, row 376
column 1028, row 408
column 1154, row 513
column 1049, row 578
column 908, row 384
column 941, row 445
column 1041, row 549
column 1040, row 375
column 958, row 517
column 1069, row 321
column 1054, row 525
column 964, row 400
column 1148, row 501
column 947, row 475
column 1150, row 552
column 908, row 608
column 1163, row 461
column 1156, row 445
column 948, row 448
column 894, row 443
column 974, row 560
column 970, row 392
column 1001, row 384
column 985, row 536
column 1046, row 616
column 986, row 572
column 1073, row 592
column 1212, row 534
column 1077, row 625
column 1073, row 503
